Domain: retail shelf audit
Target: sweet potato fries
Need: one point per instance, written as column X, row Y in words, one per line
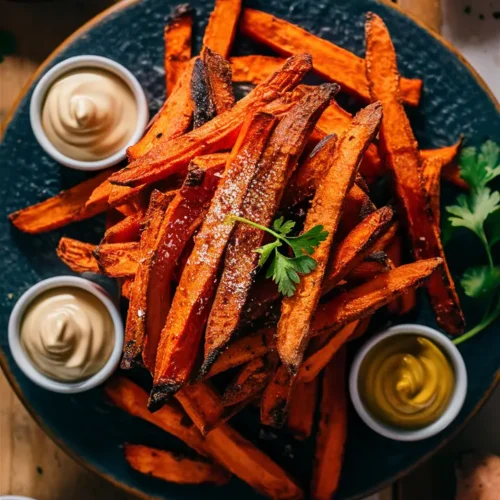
column 189, row 219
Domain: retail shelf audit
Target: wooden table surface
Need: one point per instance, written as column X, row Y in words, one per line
column 30, row 463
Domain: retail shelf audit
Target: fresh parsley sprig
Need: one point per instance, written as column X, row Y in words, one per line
column 472, row 212
column 285, row 270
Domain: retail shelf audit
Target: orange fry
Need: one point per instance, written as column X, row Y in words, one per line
column 173, row 468
column 222, row 25
column 332, row 431
column 177, row 38
column 330, row 61
column 302, row 408
column 297, row 311
column 400, row 149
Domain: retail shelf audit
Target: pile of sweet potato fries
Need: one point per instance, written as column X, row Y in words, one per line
column 198, row 306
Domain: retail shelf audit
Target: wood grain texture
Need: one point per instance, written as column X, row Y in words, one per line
column 31, row 464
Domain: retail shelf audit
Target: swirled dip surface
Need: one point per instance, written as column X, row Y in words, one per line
column 68, row 334
column 89, row 114
column 406, row 381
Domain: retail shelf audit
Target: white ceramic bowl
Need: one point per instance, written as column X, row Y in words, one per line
column 38, row 99
column 24, row 362
column 454, row 406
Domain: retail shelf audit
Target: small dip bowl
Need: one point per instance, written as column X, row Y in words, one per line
column 456, row 401
column 22, row 358
column 90, row 62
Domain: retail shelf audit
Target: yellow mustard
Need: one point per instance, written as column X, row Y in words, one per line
column 406, row 381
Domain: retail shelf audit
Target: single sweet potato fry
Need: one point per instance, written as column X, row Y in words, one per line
column 173, row 120
column 128, row 229
column 365, row 299
column 352, row 250
column 172, row 467
column 66, row 207
column 431, row 175
column 222, row 25
column 302, row 408
column 203, row 405
column 132, row 399
column 276, row 398
column 134, row 327
column 332, row 430
column 330, row 61
column 186, row 320
column 261, row 202
column 219, row 79
column 182, row 218
column 449, row 158
column 243, row 350
column 177, row 37
column 317, row 360
column 255, row 68
column 118, row 260
column 399, row 147
column 115, row 260
column 248, row 383
column 297, row 311
column 374, row 264
column 173, row 156
column 203, row 104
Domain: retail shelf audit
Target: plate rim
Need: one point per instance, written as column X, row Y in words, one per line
column 124, row 4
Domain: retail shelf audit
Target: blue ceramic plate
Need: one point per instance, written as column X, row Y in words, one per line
column 454, row 102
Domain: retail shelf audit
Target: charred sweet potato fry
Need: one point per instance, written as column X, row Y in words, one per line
column 365, row 299
column 399, row 147
column 66, row 207
column 203, row 405
column 302, row 408
column 203, row 104
column 172, row 467
column 182, row 218
column 222, row 25
column 173, row 156
column 129, row 229
column 321, row 357
column 261, row 202
column 356, row 246
column 374, row 264
column 330, row 61
column 332, row 430
column 219, row 79
column 134, row 328
column 118, row 260
column 177, row 38
column 243, row 350
column 248, row 383
column 132, row 399
column 297, row 311
column 255, row 68
column 183, row 329
column 115, row 260
column 173, row 120
column 276, row 398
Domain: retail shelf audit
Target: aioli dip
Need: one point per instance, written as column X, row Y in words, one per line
column 68, row 334
column 406, row 381
column 89, row 114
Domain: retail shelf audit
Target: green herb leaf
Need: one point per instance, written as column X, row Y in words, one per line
column 481, row 281
column 479, row 169
column 285, row 270
column 307, row 242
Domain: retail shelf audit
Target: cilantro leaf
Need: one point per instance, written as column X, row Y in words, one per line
column 282, row 269
column 472, row 212
column 480, row 169
column 308, row 241
column 283, row 227
column 480, row 281
column 266, row 251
